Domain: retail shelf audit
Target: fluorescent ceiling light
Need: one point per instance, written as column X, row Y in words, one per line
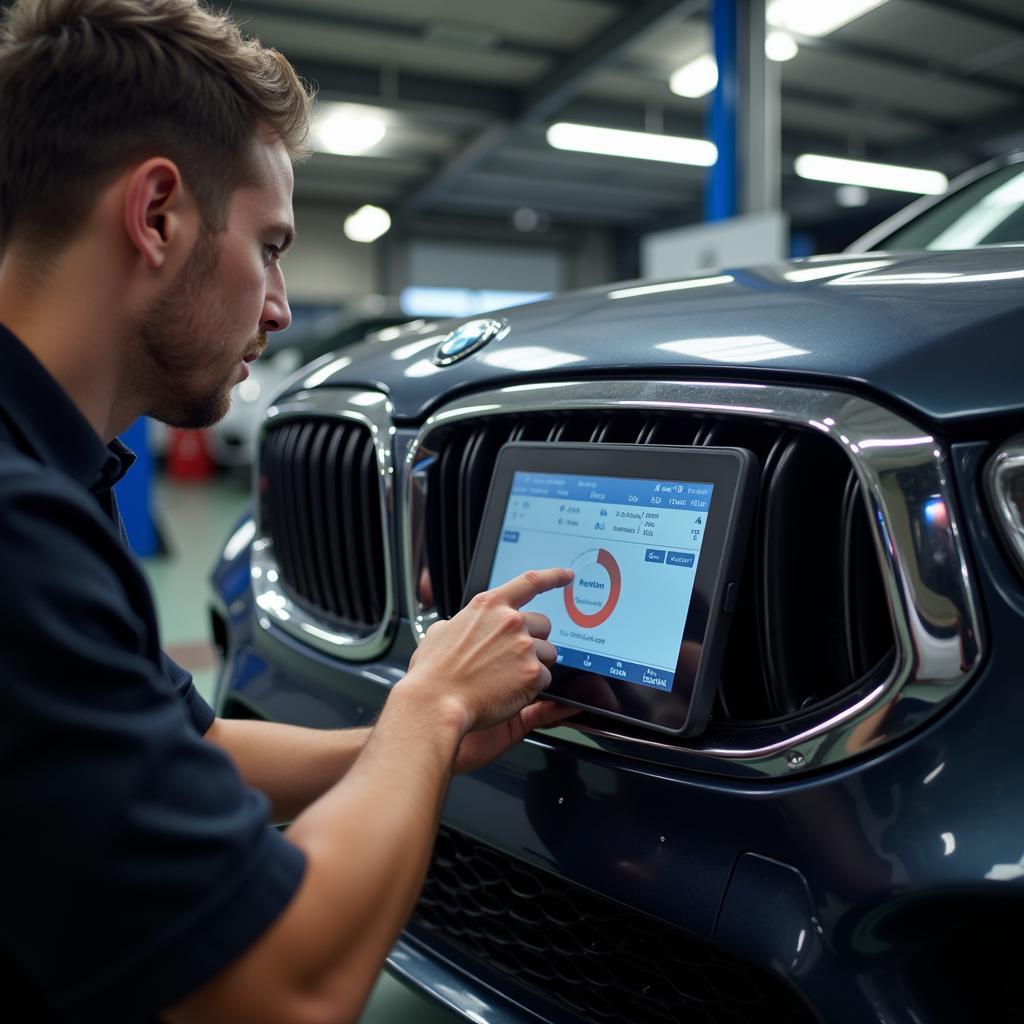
column 871, row 175
column 347, row 129
column 851, row 196
column 585, row 138
column 816, row 17
column 700, row 76
column 695, row 79
column 367, row 224
column 780, row 46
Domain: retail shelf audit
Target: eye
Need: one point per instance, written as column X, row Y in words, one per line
column 271, row 253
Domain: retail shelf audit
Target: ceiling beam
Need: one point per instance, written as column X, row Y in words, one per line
column 868, row 108
column 991, row 132
column 413, row 31
column 997, row 19
column 409, row 89
column 551, row 93
column 918, row 65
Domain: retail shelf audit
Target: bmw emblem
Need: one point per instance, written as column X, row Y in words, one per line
column 468, row 338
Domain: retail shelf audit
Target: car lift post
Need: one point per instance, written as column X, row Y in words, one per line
column 743, row 120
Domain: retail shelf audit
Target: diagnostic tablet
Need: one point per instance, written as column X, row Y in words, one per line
column 655, row 537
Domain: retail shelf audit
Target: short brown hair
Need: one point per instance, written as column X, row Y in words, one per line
column 86, row 86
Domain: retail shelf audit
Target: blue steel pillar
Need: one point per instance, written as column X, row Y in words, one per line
column 134, row 493
column 721, row 193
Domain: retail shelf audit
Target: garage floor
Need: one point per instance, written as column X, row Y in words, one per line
column 195, row 520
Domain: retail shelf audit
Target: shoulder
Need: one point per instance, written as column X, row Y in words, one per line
column 62, row 556
column 35, row 498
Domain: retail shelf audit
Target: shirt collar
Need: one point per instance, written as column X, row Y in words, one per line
column 50, row 424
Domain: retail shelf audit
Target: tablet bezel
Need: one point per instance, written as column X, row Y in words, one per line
column 734, row 472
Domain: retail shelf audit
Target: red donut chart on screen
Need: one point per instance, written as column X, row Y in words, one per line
column 588, row 620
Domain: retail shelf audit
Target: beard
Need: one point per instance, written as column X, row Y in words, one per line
column 183, row 341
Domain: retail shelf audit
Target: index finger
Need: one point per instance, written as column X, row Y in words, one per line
column 523, row 589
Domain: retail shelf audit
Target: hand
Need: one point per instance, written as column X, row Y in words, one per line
column 480, row 748
column 491, row 659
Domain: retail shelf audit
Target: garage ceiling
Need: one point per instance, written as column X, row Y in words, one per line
column 468, row 88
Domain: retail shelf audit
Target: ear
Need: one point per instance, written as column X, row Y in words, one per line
column 159, row 215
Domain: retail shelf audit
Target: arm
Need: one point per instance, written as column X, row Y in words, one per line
column 367, row 840
column 293, row 766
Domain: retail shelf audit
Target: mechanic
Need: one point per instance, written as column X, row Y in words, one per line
column 145, row 202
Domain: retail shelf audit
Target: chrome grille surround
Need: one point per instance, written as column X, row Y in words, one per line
column 373, row 410
column 936, row 625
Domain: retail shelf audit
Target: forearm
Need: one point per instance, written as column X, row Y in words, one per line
column 293, row 766
column 367, row 843
column 382, row 823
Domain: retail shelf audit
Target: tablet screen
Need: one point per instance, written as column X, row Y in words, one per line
column 634, row 546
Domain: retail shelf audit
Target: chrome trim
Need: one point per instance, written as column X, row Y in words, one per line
column 904, row 474
column 374, row 410
column 458, row 993
column 1007, row 462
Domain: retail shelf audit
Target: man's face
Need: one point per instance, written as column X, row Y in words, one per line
column 197, row 336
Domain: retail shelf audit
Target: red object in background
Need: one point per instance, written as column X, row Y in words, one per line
column 188, row 455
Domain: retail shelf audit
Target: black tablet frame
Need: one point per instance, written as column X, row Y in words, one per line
column 734, row 472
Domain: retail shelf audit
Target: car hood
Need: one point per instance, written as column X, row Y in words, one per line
column 939, row 331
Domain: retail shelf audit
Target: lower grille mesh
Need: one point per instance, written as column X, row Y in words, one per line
column 603, row 961
column 321, row 506
column 812, row 618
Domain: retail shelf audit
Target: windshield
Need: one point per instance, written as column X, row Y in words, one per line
column 989, row 211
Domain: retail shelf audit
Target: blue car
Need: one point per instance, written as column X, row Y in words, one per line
column 844, row 840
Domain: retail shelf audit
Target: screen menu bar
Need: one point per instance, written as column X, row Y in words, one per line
column 614, row 491
column 616, row 668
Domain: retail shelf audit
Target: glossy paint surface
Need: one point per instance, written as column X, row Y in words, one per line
column 938, row 331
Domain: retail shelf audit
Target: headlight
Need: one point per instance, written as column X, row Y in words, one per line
column 1004, row 479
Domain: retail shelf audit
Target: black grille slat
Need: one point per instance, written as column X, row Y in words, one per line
column 447, row 578
column 602, row 960
column 321, row 509
column 304, row 500
column 318, row 513
column 804, row 609
column 276, row 498
column 811, row 617
column 350, row 509
column 335, row 515
column 745, row 693
column 369, row 539
column 477, row 478
column 867, row 642
column 557, row 432
column 467, row 534
column 669, row 430
column 292, row 473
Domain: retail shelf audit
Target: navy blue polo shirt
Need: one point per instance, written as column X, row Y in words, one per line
column 134, row 862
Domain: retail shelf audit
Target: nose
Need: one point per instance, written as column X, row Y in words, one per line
column 276, row 314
